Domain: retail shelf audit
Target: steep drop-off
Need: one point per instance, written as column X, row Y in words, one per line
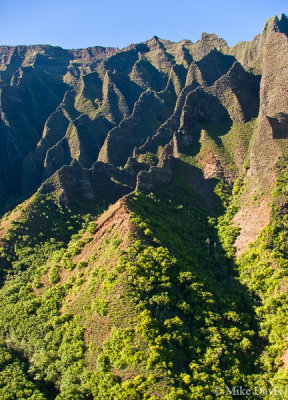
column 101, row 105
column 146, row 256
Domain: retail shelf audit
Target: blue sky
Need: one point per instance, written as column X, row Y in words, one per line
column 83, row 23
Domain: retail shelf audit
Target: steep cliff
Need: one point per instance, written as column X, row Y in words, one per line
column 147, row 255
column 101, row 104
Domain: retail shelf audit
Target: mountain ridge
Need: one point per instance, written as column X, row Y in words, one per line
column 90, row 56
column 147, row 255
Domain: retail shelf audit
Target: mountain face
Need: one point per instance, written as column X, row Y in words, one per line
column 178, row 289
column 101, row 107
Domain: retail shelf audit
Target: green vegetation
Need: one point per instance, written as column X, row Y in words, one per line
column 229, row 143
column 148, row 158
column 226, row 231
column 176, row 280
column 159, row 313
column 263, row 269
column 148, row 302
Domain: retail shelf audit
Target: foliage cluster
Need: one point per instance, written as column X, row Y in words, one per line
column 264, row 270
column 172, row 320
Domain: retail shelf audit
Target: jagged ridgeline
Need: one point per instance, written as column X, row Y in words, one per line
column 146, row 256
column 101, row 110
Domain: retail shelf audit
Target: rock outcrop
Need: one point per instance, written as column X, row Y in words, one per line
column 104, row 106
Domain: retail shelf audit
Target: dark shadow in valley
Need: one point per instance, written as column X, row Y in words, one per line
column 181, row 224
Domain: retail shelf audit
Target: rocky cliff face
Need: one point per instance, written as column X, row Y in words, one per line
column 102, row 107
column 160, row 293
column 272, row 120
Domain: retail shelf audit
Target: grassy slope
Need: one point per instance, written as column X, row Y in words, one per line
column 263, row 269
column 230, row 143
column 148, row 305
column 144, row 303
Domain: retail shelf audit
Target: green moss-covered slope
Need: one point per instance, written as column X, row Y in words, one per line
column 144, row 251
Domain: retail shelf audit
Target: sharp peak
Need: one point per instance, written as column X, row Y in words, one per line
column 155, row 39
column 277, row 24
column 205, row 36
column 281, row 17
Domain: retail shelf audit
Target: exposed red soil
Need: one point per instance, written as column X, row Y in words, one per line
column 250, row 219
column 284, row 357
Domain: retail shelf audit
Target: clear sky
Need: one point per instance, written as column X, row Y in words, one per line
column 83, row 23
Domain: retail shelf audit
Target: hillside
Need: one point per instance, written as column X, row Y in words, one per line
column 143, row 238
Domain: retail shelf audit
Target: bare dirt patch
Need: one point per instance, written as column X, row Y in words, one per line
column 284, row 357
column 250, row 219
column 13, row 216
column 255, row 209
